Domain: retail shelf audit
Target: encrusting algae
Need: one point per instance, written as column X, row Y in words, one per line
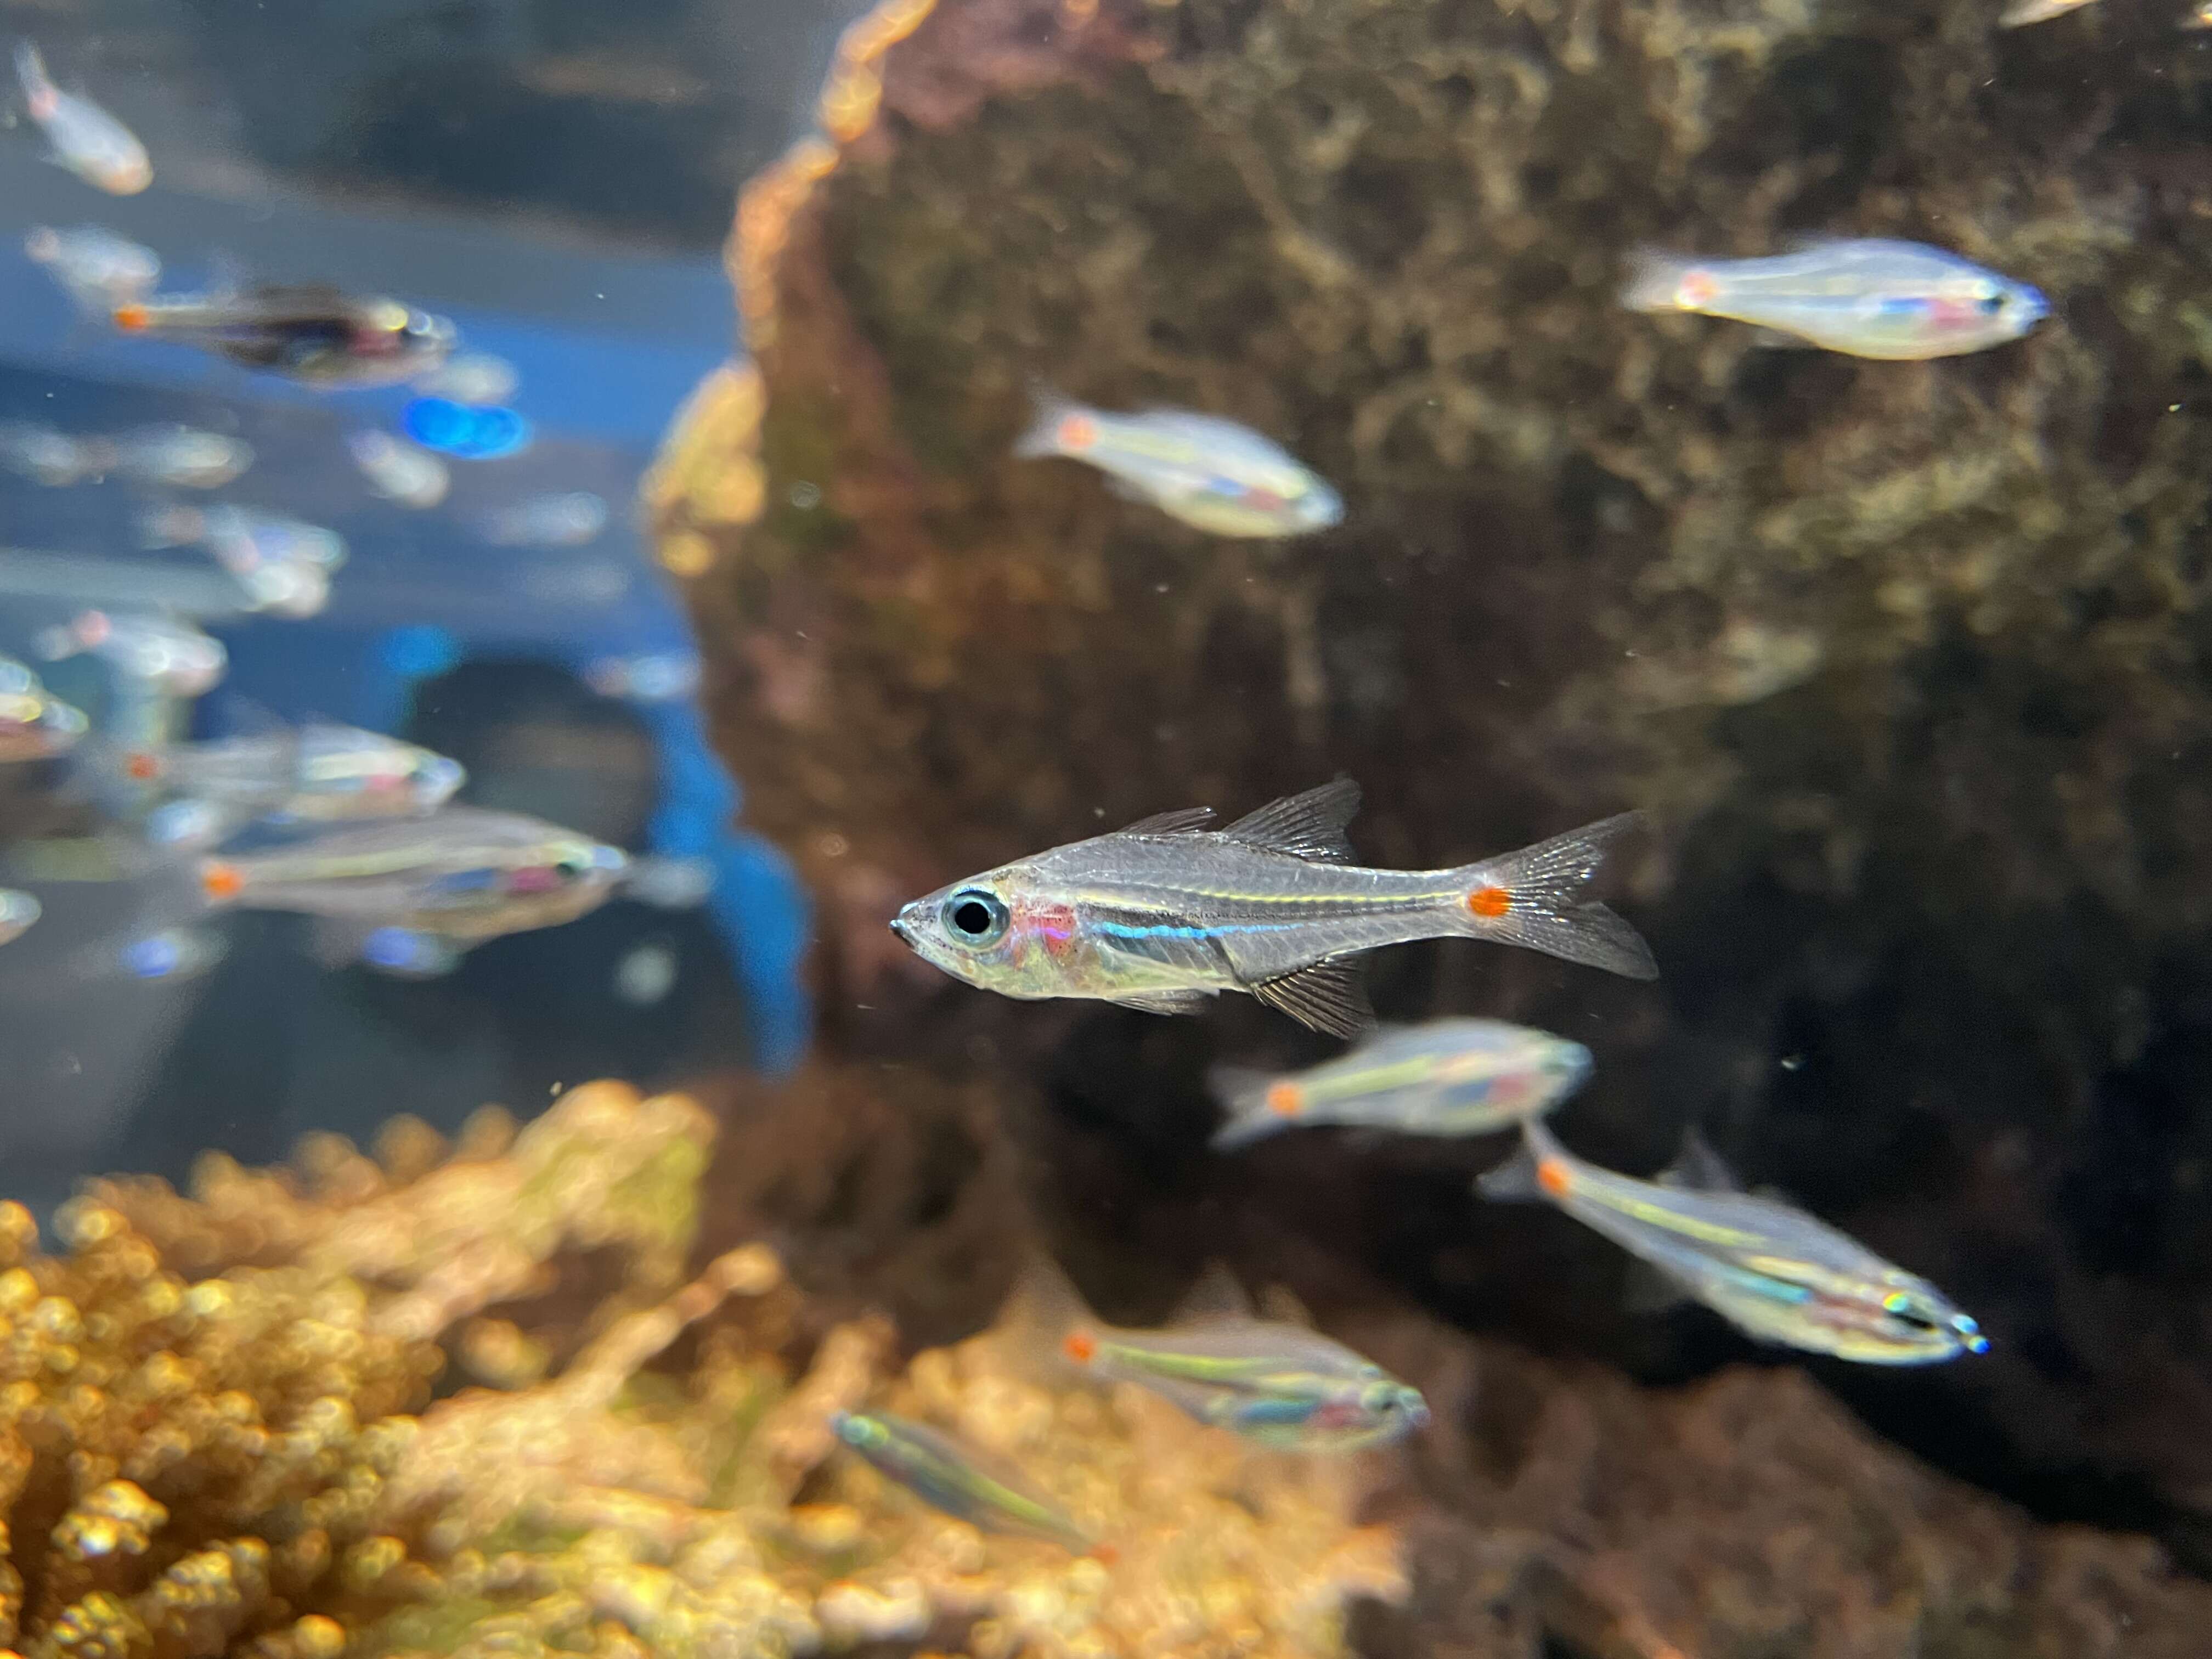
column 217, row 1434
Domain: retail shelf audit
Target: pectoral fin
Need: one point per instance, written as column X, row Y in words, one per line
column 1163, row 1002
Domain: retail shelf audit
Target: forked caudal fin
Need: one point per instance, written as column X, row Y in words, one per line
column 1538, row 1171
column 1258, row 1104
column 1047, row 1328
column 1532, row 898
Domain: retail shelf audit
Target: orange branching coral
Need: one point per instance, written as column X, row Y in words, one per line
column 233, row 1466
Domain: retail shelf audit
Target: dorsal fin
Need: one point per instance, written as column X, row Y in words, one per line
column 1214, row 1294
column 1308, row 826
column 1180, row 821
column 1698, row 1169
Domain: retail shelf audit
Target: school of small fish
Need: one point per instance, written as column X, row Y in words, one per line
column 364, row 833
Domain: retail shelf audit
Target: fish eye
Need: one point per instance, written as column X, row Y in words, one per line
column 1992, row 302
column 975, row 917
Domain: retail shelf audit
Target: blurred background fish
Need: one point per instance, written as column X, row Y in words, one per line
column 84, row 137
column 397, row 470
column 34, row 724
column 97, row 268
column 314, row 333
column 18, row 910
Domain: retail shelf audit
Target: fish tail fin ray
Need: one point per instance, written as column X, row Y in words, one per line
column 1655, row 280
column 1521, row 1178
column 1244, row 1094
column 1047, row 1329
column 30, row 68
column 1534, row 898
column 1049, row 413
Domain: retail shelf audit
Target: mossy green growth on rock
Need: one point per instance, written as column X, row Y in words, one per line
column 1910, row 661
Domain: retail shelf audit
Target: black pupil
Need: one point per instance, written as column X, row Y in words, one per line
column 972, row 916
column 1992, row 304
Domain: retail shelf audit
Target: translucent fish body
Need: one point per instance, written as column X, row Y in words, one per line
column 569, row 520
column 1166, row 914
column 169, row 654
column 179, row 457
column 43, row 455
column 397, row 470
column 1212, row 474
column 320, row 774
column 958, row 1479
column 312, row 333
column 1773, row 1271
column 84, row 137
column 96, row 267
column 459, row 874
column 1449, row 1077
column 1867, row 298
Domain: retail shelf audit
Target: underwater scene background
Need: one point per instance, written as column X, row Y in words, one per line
column 631, row 1244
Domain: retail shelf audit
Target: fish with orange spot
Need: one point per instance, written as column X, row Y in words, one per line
column 461, row 874
column 1866, row 296
column 1447, row 1077
column 1167, row 913
column 1270, row 1380
column 85, row 138
column 1209, row 472
column 1770, row 1269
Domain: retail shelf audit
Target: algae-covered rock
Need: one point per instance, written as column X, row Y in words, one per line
column 1908, row 661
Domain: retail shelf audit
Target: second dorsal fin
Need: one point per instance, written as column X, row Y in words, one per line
column 1310, row 825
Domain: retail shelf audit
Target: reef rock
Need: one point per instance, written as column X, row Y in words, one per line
column 1907, row 661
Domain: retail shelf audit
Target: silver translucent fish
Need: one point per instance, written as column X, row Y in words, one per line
column 44, row 454
column 1449, row 1077
column 85, row 138
column 462, row 873
column 1869, row 297
column 1165, row 914
column 167, row 653
column 34, row 724
column 1771, row 1270
column 244, row 539
column 98, row 269
column 178, row 457
column 1211, row 473
column 319, row 772
column 957, row 1479
column 569, row 520
column 398, row 471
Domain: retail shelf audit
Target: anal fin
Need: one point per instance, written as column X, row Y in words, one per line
column 1329, row 996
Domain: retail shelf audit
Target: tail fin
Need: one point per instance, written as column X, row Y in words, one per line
column 1656, row 280
column 1531, row 898
column 1047, row 1328
column 1245, row 1094
column 1053, row 421
column 31, row 71
column 1520, row 1179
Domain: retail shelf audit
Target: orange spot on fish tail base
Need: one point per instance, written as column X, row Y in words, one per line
column 1490, row 903
column 1283, row 1101
column 218, row 880
column 131, row 319
column 142, row 767
column 1553, row 1177
column 1078, row 432
column 1697, row 289
column 1078, row 1346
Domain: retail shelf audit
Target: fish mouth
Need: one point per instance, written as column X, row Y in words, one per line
column 903, row 929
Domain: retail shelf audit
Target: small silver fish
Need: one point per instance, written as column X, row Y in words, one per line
column 85, row 139
column 167, row 653
column 2023, row 12
column 650, row 676
column 959, row 1480
column 1165, row 914
column 569, row 520
column 1449, row 1077
column 319, row 773
column 1869, row 298
column 399, row 471
column 1276, row 1384
column 178, row 457
column 475, row 377
column 34, row 724
column 18, row 910
column 462, row 873
column 295, row 590
column 243, row 540
column 1770, row 1270
column 312, row 332
column 1211, row 473
column 45, row 455
column 98, row 269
